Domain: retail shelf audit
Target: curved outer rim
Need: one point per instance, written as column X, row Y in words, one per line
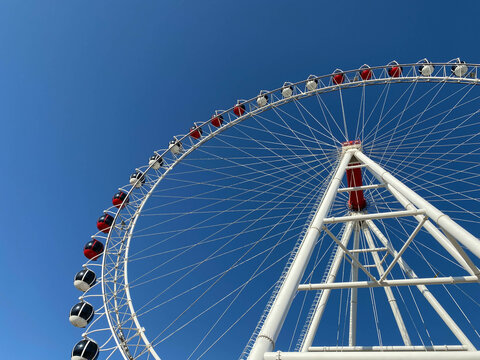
column 384, row 78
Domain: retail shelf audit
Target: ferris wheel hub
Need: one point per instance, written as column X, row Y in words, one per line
column 352, row 144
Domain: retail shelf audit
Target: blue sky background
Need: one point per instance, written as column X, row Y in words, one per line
column 90, row 88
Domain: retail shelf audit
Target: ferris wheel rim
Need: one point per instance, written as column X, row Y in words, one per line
column 248, row 114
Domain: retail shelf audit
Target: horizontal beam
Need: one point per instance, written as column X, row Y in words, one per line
column 368, row 250
column 401, row 282
column 391, row 214
column 365, row 187
column 389, row 348
column 356, row 166
column 381, row 355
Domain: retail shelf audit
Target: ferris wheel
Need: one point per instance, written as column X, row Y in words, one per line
column 330, row 218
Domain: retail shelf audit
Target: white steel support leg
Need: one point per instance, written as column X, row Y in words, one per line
column 273, row 323
column 388, row 291
column 352, row 334
column 448, row 244
column 320, row 308
column 424, row 290
column 444, row 221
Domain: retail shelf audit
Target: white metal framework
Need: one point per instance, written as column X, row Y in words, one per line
column 274, row 188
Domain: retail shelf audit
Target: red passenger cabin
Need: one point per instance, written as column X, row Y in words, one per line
column 93, row 249
column 196, row 132
column 217, row 120
column 395, row 71
column 120, row 200
column 338, row 78
column 366, row 74
column 239, row 109
column 104, row 223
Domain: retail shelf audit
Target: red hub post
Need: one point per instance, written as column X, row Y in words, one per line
column 356, row 200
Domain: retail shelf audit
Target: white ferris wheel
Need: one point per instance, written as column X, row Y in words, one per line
column 331, row 218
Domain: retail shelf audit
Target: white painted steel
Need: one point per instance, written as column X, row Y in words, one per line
column 365, row 187
column 356, row 166
column 368, row 250
column 471, row 267
column 346, row 251
column 402, row 250
column 320, row 308
column 386, row 215
column 403, row 355
column 400, row 282
column 455, row 251
column 424, row 290
column 390, row 348
column 268, row 335
column 352, row 332
column 444, row 221
column 388, row 291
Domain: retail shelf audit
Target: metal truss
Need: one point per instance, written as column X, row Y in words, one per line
column 447, row 232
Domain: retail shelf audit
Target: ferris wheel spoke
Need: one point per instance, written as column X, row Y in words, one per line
column 244, row 190
column 445, row 161
column 244, row 231
column 245, row 284
column 260, row 143
column 441, row 121
column 370, row 115
column 135, row 284
column 183, row 230
column 442, row 198
column 198, row 285
column 237, row 320
column 323, row 108
column 416, row 140
column 400, row 118
column 315, row 134
column 380, row 117
column 407, row 122
column 215, row 252
column 268, row 163
column 208, row 309
column 202, row 242
column 296, row 134
column 425, row 141
column 410, row 128
column 259, row 180
column 302, row 109
column 435, row 170
column 343, row 114
column 212, row 183
column 290, row 192
column 359, row 131
column 294, row 142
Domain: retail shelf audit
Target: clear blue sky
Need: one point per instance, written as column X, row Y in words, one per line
column 90, row 88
